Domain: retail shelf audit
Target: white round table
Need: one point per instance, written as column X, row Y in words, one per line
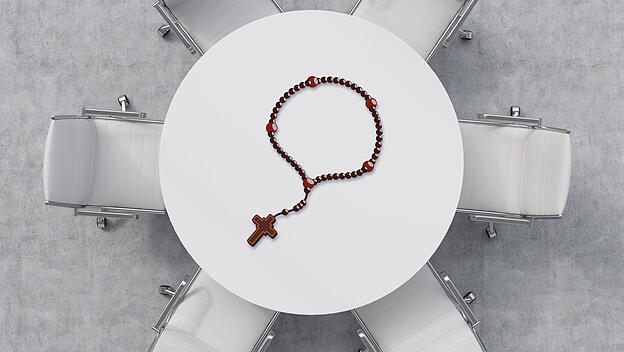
column 356, row 240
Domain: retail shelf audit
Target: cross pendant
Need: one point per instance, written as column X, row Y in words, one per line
column 264, row 226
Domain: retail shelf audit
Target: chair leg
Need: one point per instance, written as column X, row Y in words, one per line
column 101, row 222
column 465, row 34
column 490, row 230
column 164, row 30
column 469, row 297
column 166, row 290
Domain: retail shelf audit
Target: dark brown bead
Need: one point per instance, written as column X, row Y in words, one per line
column 348, row 84
column 376, row 113
column 379, row 138
column 285, row 211
column 353, row 174
column 273, row 116
column 286, row 95
column 341, row 175
column 291, row 91
column 378, row 144
column 293, row 163
column 275, row 110
column 335, row 176
column 318, row 179
column 330, row 79
column 324, row 177
column 374, row 156
column 302, row 173
column 296, row 88
column 348, row 175
column 342, row 81
column 272, row 140
column 377, row 120
column 279, row 150
column 323, row 79
column 336, row 79
column 359, row 172
column 376, row 150
column 302, row 85
column 289, row 158
column 379, row 131
column 278, row 105
column 358, row 89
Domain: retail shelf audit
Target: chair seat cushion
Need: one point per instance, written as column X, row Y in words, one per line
column 211, row 319
column 515, row 170
column 420, row 23
column 418, row 317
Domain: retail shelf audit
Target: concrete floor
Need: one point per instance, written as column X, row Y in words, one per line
column 553, row 286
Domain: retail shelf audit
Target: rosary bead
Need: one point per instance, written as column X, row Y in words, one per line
column 379, row 130
column 342, row 81
column 286, row 95
column 378, row 144
column 374, row 156
column 359, row 90
column 335, row 176
column 348, row 175
column 279, row 150
column 336, row 79
column 379, row 138
column 348, row 84
column 317, row 179
column 271, row 127
column 312, row 82
column 294, row 164
column 341, row 175
column 359, row 172
column 302, row 173
column 363, row 94
column 324, row 177
column 323, row 79
column 371, row 103
column 302, row 85
column 291, row 91
column 296, row 87
column 308, row 183
column 276, row 109
column 278, row 105
column 377, row 120
column 353, row 174
column 376, row 150
column 285, row 211
column 368, row 166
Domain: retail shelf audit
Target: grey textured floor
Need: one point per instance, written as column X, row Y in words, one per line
column 554, row 286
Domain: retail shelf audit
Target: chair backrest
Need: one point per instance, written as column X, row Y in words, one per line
column 103, row 163
column 207, row 21
column 422, row 24
column 211, row 319
column 515, row 170
column 419, row 317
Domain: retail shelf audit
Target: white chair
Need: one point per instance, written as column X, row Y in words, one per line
column 426, row 25
column 202, row 316
column 515, row 169
column 426, row 314
column 103, row 163
column 199, row 24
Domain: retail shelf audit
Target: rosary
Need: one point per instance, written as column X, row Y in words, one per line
column 264, row 225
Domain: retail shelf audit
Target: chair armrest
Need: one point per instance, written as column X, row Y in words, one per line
column 457, row 298
column 177, row 297
column 510, row 119
column 90, row 112
column 458, row 20
column 177, row 27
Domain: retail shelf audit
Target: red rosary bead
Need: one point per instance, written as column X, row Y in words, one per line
column 368, row 166
column 371, row 103
column 271, row 127
column 308, row 183
column 312, row 81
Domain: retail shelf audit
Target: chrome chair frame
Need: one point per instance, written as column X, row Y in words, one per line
column 461, row 303
column 453, row 27
column 103, row 211
column 515, row 120
column 178, row 295
column 173, row 24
